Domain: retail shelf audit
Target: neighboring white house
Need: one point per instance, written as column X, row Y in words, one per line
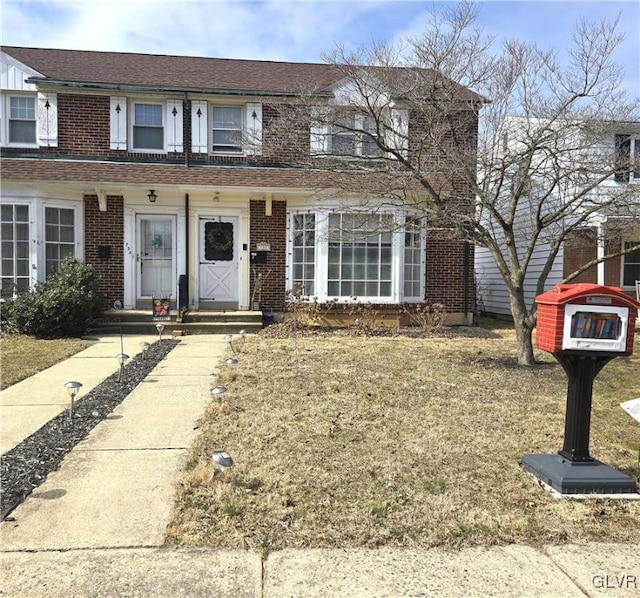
column 601, row 232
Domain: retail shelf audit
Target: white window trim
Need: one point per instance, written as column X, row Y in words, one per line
column 321, row 135
column 322, row 259
column 6, row 113
column 132, row 124
column 243, row 116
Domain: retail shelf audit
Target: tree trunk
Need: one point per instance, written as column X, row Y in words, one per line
column 523, row 328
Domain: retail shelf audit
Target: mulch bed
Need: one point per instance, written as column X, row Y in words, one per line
column 27, row 465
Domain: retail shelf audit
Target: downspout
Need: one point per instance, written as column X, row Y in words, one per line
column 465, row 284
column 186, row 245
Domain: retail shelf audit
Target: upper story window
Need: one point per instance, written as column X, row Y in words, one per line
column 148, row 127
column 226, row 136
column 627, row 158
column 22, row 120
column 354, row 134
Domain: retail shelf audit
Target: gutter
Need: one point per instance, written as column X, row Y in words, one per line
column 45, row 82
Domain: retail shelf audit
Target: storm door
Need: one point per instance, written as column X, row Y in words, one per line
column 219, row 263
column 156, row 272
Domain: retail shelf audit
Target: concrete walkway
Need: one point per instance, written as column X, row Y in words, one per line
column 96, row 526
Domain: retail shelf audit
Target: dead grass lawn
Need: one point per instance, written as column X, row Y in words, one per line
column 23, row 356
column 344, row 441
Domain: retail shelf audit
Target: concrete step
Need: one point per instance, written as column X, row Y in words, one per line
column 200, row 322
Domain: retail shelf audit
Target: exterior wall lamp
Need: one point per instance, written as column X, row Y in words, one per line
column 152, row 196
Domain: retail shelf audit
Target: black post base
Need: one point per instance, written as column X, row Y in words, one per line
column 578, row 477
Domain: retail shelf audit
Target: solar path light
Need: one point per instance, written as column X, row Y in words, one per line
column 145, row 347
column 232, row 362
column 218, row 391
column 229, row 339
column 160, row 328
column 221, row 462
column 72, row 388
column 122, row 359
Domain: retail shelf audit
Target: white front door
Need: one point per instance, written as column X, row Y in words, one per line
column 219, row 259
column 156, row 272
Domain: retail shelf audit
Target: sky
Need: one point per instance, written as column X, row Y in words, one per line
column 300, row 31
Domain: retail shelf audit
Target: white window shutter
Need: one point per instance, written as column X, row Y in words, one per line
column 400, row 131
column 253, row 127
column 199, row 128
column 47, row 125
column 118, row 123
column 174, row 126
column 319, row 137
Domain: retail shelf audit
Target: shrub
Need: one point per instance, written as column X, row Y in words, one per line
column 64, row 305
column 429, row 317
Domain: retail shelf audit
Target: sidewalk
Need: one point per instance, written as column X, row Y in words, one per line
column 96, row 526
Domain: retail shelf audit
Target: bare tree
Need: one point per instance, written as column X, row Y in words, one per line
column 503, row 145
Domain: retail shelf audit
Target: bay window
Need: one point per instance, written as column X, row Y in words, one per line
column 14, row 254
column 357, row 256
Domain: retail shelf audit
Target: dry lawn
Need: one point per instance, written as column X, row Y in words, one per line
column 23, row 356
column 349, row 441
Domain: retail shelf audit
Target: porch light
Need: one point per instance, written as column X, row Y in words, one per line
column 218, row 391
column 160, row 328
column 221, row 461
column 152, row 196
column 122, row 359
column 145, row 347
column 72, row 388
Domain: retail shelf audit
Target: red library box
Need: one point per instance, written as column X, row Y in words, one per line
column 586, row 317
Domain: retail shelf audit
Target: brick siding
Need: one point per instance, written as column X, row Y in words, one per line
column 273, row 230
column 106, row 229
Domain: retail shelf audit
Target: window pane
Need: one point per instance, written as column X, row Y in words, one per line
column 148, row 115
column 66, row 234
column 52, row 233
column 148, row 138
column 22, row 131
column 22, row 214
column 23, row 108
column 7, row 249
column 66, row 217
column 7, row 232
column 22, row 249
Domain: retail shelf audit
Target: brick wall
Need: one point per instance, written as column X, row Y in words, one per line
column 103, row 229
column 270, row 229
column 445, row 274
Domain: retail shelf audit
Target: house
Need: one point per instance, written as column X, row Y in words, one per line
column 604, row 221
column 179, row 177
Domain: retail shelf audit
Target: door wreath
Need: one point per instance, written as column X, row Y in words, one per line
column 218, row 240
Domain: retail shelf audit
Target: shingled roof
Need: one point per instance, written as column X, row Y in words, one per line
column 191, row 73
column 174, row 72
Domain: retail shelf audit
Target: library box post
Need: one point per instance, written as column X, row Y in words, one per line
column 584, row 326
